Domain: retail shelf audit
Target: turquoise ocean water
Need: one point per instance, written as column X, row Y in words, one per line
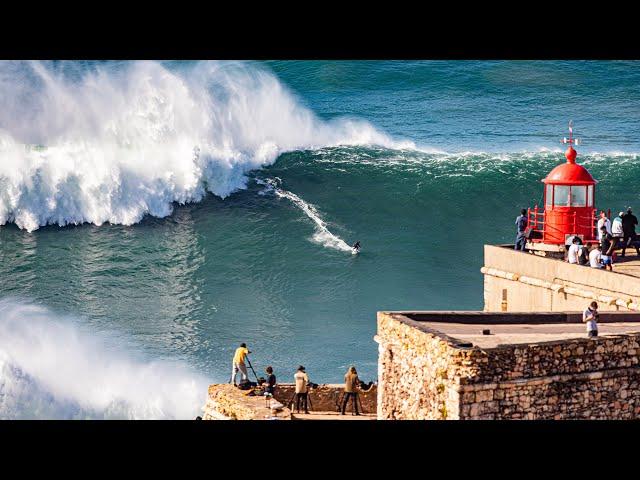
column 156, row 214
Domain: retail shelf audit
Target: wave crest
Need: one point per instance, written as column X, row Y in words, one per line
column 112, row 143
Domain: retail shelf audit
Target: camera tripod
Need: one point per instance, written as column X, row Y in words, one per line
column 354, row 406
column 309, row 405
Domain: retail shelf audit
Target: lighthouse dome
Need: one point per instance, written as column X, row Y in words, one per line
column 569, row 174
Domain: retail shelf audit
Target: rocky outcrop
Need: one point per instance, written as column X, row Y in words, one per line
column 226, row 402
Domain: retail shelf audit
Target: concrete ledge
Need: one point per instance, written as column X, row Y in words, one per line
column 506, row 318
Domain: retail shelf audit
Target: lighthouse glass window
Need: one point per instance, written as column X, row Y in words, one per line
column 579, row 196
column 561, row 196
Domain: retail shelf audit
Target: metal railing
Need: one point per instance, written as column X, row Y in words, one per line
column 536, row 220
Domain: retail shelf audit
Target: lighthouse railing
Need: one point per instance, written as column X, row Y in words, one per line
column 576, row 222
column 535, row 217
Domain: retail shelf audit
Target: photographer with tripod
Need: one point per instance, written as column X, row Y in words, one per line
column 590, row 317
column 351, row 384
column 239, row 358
column 301, row 395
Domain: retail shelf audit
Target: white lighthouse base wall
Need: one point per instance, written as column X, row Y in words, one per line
column 521, row 282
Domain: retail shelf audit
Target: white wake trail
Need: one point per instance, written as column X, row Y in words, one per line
column 322, row 234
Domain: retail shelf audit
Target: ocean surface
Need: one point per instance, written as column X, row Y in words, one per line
column 153, row 215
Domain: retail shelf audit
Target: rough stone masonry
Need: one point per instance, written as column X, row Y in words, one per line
column 426, row 374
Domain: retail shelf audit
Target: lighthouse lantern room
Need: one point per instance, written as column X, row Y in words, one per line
column 569, row 204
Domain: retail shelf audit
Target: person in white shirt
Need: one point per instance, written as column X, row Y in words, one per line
column 595, row 257
column 590, row 317
column 603, row 221
column 616, row 227
column 302, row 380
column 574, row 251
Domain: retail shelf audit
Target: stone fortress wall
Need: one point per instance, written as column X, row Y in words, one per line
column 425, row 374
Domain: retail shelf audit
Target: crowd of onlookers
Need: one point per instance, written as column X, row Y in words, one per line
column 612, row 235
column 300, row 399
column 619, row 234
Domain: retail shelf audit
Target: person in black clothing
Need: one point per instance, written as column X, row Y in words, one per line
column 356, row 246
column 270, row 381
column 583, row 258
column 521, row 223
column 629, row 222
column 608, row 245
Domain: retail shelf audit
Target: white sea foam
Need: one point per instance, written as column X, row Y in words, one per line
column 107, row 144
column 322, row 234
column 50, row 368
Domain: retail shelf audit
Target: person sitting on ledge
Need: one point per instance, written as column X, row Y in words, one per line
column 583, row 257
column 574, row 251
column 590, row 317
column 607, row 245
column 595, row 257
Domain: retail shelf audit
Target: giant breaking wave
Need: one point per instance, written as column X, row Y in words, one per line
column 114, row 142
column 51, row 368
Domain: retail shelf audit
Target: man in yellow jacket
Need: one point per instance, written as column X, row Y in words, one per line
column 238, row 364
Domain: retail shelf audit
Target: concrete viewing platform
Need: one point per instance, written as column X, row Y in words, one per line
column 627, row 265
column 516, row 334
column 467, row 327
column 522, row 282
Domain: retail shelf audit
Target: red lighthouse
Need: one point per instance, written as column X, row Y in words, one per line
column 569, row 204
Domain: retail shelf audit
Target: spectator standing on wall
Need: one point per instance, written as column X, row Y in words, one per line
column 302, row 380
column 616, row 227
column 603, row 221
column 607, row 245
column 590, row 317
column 351, row 384
column 239, row 357
column 521, row 224
column 629, row 222
column 270, row 381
